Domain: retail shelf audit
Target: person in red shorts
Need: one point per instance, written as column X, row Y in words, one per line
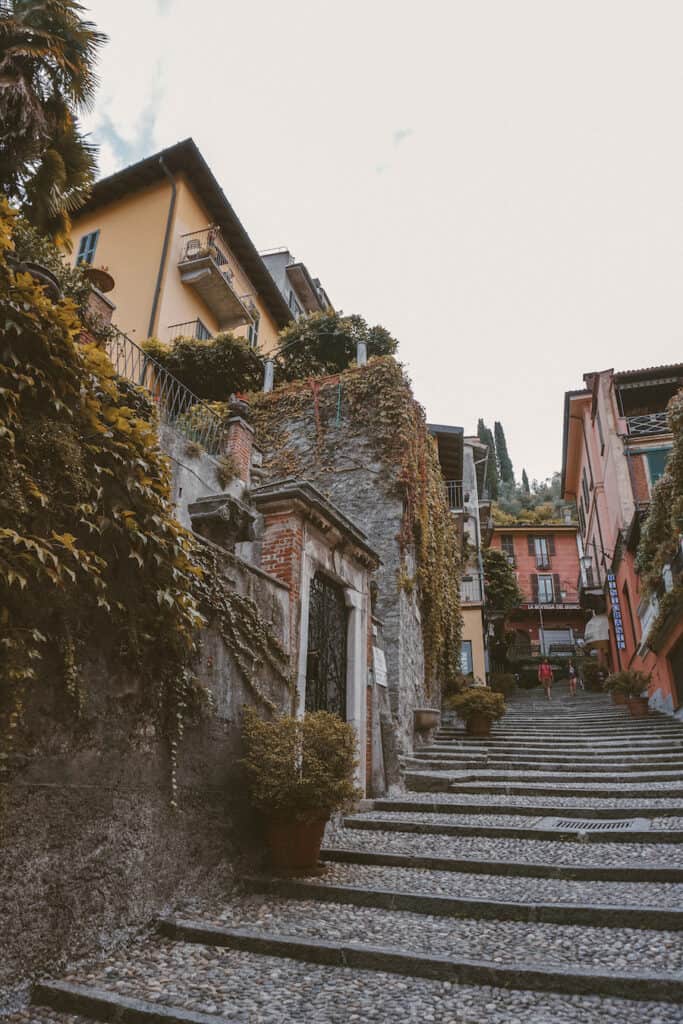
column 545, row 677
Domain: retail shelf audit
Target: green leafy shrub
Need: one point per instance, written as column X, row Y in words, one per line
column 213, row 369
column 299, row 769
column 503, row 682
column 628, row 682
column 455, row 685
column 325, row 343
column 477, row 700
column 500, row 582
column 592, row 674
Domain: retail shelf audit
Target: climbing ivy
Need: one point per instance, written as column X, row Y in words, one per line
column 376, row 403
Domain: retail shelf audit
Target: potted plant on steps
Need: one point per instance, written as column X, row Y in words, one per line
column 299, row 772
column 478, row 707
column 630, row 685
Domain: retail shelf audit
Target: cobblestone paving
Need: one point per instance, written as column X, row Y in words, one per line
column 250, row 989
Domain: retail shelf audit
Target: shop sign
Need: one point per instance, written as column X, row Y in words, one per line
column 616, row 611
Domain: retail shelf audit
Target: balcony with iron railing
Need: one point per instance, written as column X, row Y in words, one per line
column 205, row 267
column 648, row 425
column 471, row 589
column 178, row 407
column 454, row 495
column 191, row 329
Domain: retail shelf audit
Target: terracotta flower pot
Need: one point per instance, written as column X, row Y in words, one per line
column 294, row 846
column 638, row 706
column 618, row 697
column 478, row 725
column 426, row 719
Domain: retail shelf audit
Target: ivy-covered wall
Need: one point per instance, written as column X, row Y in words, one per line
column 361, row 438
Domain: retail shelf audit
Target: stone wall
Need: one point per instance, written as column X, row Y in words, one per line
column 339, row 458
column 90, row 848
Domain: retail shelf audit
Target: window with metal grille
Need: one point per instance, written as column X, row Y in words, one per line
column 86, row 248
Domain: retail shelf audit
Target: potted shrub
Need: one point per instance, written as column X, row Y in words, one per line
column 617, row 686
column 592, row 674
column 478, row 707
column 299, row 771
column 631, row 684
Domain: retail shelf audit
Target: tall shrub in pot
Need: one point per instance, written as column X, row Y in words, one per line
column 478, row 707
column 299, row 771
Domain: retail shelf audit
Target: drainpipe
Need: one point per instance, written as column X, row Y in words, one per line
column 164, row 248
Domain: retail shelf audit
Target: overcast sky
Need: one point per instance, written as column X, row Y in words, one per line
column 498, row 183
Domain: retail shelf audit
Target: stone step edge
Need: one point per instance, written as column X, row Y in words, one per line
column 557, row 811
column 517, row 869
column 534, row 789
column 489, row 776
column 101, row 1004
column 655, row 838
column 586, row 981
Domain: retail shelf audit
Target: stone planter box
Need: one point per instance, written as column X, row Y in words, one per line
column 426, row 719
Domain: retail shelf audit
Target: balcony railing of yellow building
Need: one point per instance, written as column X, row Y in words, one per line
column 454, row 495
column 178, row 407
column 648, row 424
column 471, row 589
column 205, row 268
column 207, row 242
column 191, row 329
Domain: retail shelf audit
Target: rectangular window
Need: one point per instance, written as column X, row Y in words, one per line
column 542, row 552
column 294, row 305
column 202, row 333
column 508, row 546
column 656, row 463
column 545, row 590
column 86, row 248
column 253, row 332
column 466, row 665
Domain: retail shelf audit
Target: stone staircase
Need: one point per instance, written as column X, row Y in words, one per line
column 532, row 877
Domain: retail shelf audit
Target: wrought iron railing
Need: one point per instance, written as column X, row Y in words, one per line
column 454, row 494
column 178, row 407
column 471, row 589
column 207, row 242
column 651, row 423
column 190, row 329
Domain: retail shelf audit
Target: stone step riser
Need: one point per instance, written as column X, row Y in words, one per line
column 567, row 872
column 599, row 750
column 665, row 760
column 534, row 790
column 558, row 776
column 437, row 828
column 411, row 964
column 543, row 811
column 101, row 1004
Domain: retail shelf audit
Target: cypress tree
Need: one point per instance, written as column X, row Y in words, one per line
column 505, row 469
column 525, row 483
column 492, row 480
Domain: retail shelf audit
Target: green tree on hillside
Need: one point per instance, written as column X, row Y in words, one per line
column 492, row 481
column 525, row 483
column 47, row 77
column 505, row 469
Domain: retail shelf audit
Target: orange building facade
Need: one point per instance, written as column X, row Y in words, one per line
column 546, row 562
column 615, row 447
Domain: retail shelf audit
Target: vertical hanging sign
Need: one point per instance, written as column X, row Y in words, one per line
column 616, row 611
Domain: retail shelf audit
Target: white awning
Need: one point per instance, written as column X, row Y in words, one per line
column 596, row 632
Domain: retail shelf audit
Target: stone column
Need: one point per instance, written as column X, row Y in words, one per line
column 357, row 674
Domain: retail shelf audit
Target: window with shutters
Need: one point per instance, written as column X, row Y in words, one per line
column 86, row 248
column 546, row 594
column 542, row 552
column 508, row 546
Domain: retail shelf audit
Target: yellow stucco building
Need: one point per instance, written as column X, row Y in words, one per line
column 182, row 263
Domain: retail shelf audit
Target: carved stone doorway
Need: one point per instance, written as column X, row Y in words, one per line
column 327, row 640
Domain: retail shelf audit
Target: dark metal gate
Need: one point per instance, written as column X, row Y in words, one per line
column 326, row 661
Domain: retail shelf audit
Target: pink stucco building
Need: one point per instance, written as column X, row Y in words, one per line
column 615, row 447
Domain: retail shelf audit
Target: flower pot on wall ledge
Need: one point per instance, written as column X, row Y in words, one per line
column 638, row 706
column 426, row 719
column 295, row 845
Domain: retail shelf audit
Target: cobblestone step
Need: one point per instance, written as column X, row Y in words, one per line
column 555, row 763
column 639, row 728
column 522, row 788
column 564, row 776
column 434, row 781
column 642, row 985
column 507, row 868
column 246, row 988
column 553, row 806
column 98, row 1004
column 435, row 826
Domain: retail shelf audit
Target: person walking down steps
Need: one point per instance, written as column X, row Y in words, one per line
column 545, row 677
column 572, row 673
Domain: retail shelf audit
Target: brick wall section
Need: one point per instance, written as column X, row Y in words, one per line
column 281, row 555
column 239, row 443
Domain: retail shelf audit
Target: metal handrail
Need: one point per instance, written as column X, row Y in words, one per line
column 178, row 407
